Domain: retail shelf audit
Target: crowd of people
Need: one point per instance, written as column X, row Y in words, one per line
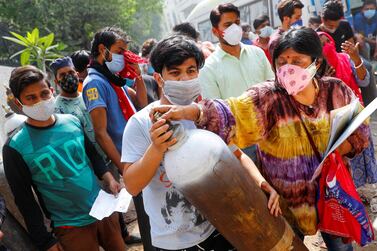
column 270, row 94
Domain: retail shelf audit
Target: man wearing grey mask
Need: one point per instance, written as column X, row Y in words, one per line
column 175, row 223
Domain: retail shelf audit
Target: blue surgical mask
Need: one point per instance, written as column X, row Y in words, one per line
column 369, row 13
column 117, row 62
column 150, row 70
column 130, row 82
column 297, row 24
column 266, row 32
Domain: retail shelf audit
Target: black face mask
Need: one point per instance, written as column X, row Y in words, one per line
column 69, row 83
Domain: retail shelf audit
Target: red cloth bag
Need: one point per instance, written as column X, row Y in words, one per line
column 340, row 210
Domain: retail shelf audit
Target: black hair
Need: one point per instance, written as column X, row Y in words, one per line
column 245, row 27
column 80, row 59
column 107, row 36
column 216, row 13
column 173, row 51
column 148, row 46
column 332, row 10
column 303, row 40
column 260, row 20
column 368, row 2
column 315, row 20
column 23, row 76
column 286, row 8
column 186, row 29
column 134, row 48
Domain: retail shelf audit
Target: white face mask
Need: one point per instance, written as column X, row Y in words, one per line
column 266, row 32
column 233, row 34
column 181, row 92
column 117, row 62
column 252, row 36
column 41, row 111
column 330, row 30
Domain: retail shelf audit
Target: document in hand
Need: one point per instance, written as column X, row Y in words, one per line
column 105, row 204
column 344, row 121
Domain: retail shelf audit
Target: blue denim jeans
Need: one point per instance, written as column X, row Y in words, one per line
column 335, row 243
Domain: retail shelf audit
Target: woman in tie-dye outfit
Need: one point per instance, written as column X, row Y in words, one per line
column 269, row 115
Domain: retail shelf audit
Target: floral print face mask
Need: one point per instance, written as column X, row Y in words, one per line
column 294, row 79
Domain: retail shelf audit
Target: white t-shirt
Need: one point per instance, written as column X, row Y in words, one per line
column 175, row 223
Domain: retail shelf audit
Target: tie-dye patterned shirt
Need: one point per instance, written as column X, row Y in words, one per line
column 263, row 116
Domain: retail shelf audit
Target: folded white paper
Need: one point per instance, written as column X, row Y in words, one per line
column 105, row 204
column 350, row 126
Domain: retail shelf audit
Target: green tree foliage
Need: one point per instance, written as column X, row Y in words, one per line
column 37, row 50
column 75, row 21
column 147, row 20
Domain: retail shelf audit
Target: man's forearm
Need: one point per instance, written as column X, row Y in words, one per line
column 138, row 175
column 141, row 93
column 108, row 146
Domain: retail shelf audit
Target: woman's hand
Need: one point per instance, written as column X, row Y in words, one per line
column 160, row 136
column 273, row 200
column 177, row 112
column 345, row 148
column 352, row 50
column 330, row 71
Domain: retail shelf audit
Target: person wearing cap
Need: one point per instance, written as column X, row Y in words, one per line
column 70, row 101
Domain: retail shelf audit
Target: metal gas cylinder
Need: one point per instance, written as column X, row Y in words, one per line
column 211, row 178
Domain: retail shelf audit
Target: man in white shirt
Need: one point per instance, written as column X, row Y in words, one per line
column 233, row 67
